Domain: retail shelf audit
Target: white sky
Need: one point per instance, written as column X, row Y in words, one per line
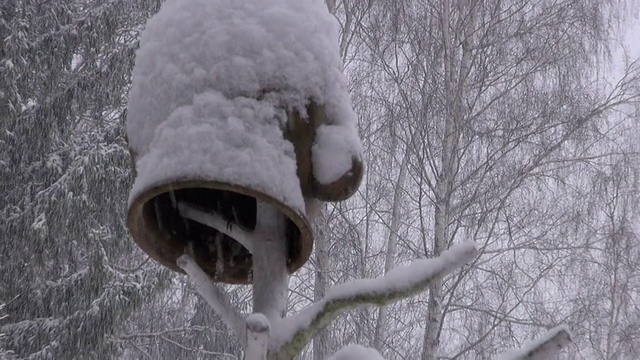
column 632, row 36
column 625, row 47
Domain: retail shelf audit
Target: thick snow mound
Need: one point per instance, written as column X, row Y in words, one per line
column 280, row 52
column 328, row 153
column 242, row 147
column 257, row 322
column 356, row 352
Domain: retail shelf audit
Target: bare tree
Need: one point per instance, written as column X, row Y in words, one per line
column 490, row 98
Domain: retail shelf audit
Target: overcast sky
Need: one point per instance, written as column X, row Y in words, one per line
column 632, row 37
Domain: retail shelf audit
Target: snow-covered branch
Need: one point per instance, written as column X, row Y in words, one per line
column 545, row 347
column 356, row 352
column 400, row 283
column 217, row 222
column 216, row 298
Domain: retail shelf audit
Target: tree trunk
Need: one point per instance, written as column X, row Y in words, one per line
column 455, row 74
column 323, row 263
column 389, row 262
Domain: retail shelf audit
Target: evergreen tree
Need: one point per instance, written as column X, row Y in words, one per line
column 64, row 176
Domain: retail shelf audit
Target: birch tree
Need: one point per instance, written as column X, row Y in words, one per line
column 497, row 93
column 602, row 274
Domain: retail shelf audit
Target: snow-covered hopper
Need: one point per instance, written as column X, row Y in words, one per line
column 233, row 102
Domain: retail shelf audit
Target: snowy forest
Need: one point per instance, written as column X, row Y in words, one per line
column 512, row 124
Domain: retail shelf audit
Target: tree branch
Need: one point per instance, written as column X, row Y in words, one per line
column 216, row 298
column 218, row 223
column 545, row 347
column 294, row 332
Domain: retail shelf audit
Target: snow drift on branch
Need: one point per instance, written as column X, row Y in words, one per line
column 291, row 334
column 542, row 348
column 356, row 352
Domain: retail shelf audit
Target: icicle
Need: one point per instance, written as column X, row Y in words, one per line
column 172, row 196
column 234, row 212
column 158, row 212
column 220, row 258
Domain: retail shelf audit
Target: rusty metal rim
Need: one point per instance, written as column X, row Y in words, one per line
column 137, row 206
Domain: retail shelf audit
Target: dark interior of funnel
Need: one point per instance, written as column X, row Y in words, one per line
column 214, row 251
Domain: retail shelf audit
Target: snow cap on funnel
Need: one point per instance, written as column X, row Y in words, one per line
column 215, row 87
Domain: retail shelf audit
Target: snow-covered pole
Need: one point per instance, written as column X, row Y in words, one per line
column 257, row 337
column 270, row 277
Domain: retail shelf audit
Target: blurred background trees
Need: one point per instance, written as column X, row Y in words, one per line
column 70, row 274
column 510, row 123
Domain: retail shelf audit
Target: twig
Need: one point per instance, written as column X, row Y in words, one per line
column 163, row 332
column 192, row 350
column 146, row 354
